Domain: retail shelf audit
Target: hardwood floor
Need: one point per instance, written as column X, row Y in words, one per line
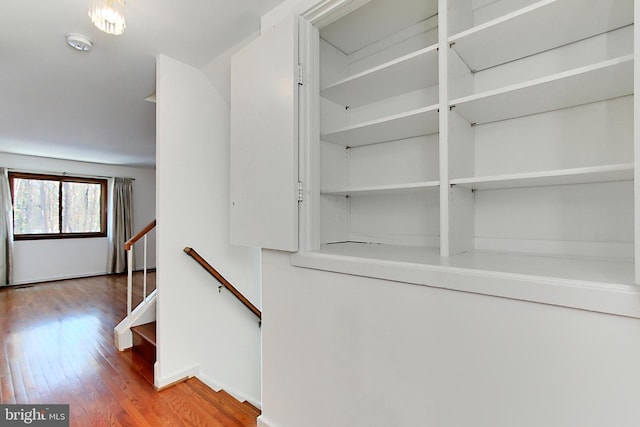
column 57, row 347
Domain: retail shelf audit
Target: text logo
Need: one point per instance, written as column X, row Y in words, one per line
column 34, row 415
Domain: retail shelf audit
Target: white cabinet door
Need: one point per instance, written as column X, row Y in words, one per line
column 264, row 140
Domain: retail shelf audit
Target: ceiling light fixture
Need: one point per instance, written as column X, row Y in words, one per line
column 108, row 16
column 79, row 42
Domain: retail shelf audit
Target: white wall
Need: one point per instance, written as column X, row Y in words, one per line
column 45, row 260
column 200, row 332
column 346, row 351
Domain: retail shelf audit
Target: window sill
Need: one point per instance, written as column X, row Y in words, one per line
column 593, row 285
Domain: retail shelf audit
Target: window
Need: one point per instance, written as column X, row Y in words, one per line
column 51, row 207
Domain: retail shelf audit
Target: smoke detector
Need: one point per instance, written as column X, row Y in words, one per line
column 79, row 42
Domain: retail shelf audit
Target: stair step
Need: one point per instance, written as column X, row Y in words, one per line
column 144, row 349
column 142, row 362
column 147, row 332
column 252, row 409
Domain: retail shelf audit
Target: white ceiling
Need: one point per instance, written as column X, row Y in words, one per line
column 61, row 103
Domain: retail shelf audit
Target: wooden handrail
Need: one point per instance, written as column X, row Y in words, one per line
column 224, row 282
column 139, row 236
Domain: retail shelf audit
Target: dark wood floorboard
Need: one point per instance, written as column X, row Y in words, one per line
column 56, row 346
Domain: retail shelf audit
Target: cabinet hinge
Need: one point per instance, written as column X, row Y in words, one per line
column 300, row 191
column 300, row 79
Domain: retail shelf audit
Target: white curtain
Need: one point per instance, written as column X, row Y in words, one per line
column 6, row 230
column 121, row 226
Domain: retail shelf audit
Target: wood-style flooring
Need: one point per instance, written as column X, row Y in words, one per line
column 57, row 347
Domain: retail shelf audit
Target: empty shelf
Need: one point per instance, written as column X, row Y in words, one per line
column 544, row 25
column 619, row 172
column 405, row 74
column 423, row 121
column 383, row 189
column 596, row 82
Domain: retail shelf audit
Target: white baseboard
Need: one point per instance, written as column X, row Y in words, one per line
column 217, row 386
column 35, row 281
column 163, row 382
column 194, row 371
column 263, row 422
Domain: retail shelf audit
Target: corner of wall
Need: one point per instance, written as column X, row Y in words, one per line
column 278, row 13
column 218, row 70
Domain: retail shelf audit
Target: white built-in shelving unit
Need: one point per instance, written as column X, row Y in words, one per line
column 534, row 172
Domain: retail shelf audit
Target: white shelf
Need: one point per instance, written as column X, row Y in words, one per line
column 515, row 264
column 604, row 80
column 423, row 121
column 414, row 71
column 383, row 189
column 618, row 172
column 544, row 25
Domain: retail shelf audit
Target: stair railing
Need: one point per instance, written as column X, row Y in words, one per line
column 223, row 282
column 128, row 246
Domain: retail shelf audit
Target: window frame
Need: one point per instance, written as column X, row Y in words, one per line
column 61, row 179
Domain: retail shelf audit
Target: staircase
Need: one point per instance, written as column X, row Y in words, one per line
column 138, row 328
column 137, row 332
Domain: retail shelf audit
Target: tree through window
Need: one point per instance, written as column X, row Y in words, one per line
column 50, row 206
